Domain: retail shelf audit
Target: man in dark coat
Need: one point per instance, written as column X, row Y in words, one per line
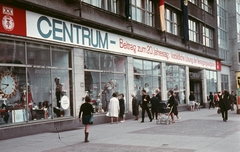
column 224, row 104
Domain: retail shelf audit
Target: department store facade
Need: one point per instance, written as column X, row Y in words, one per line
column 36, row 50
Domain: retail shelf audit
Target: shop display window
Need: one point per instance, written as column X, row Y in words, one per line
column 104, row 75
column 176, row 81
column 35, row 86
column 147, row 76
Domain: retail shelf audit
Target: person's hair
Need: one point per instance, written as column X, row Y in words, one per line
column 133, row 94
column 171, row 92
column 122, row 94
column 157, row 90
column 114, row 94
column 87, row 99
column 210, row 92
column 144, row 91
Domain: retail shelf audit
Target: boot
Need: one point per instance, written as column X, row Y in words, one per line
column 86, row 137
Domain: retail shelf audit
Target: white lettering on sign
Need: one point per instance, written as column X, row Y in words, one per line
column 7, row 11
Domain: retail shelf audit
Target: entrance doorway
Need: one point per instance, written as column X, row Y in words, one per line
column 196, row 84
column 196, row 87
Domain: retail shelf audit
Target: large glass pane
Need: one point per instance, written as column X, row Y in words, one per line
column 106, row 62
column 108, row 86
column 38, row 54
column 91, row 60
column 39, row 92
column 119, row 64
column 156, row 68
column 147, row 66
column 93, row 89
column 12, row 52
column 13, row 108
column 61, row 57
column 62, row 89
column 138, row 66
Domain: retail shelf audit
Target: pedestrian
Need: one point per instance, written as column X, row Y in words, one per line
column 114, row 108
column 224, row 104
column 158, row 94
column 211, row 101
column 232, row 100
column 176, row 97
column 216, row 99
column 154, row 102
column 135, row 106
column 86, row 110
column 192, row 100
column 171, row 103
column 145, row 101
column 122, row 107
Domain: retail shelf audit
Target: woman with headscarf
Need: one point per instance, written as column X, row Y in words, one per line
column 135, row 106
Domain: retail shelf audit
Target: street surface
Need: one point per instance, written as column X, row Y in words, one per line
column 198, row 131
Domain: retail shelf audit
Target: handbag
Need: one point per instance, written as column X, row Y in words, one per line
column 91, row 119
column 219, row 111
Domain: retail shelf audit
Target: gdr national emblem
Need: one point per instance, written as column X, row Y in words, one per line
column 8, row 23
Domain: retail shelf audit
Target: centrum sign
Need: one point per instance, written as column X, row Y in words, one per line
column 52, row 29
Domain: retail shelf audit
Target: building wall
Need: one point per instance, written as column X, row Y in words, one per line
column 93, row 17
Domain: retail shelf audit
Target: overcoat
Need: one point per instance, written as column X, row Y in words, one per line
column 224, row 102
column 135, row 106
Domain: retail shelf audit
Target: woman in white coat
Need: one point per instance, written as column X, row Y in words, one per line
column 114, row 108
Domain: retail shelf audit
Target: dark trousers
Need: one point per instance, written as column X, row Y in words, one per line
column 225, row 114
column 211, row 104
column 154, row 112
column 145, row 107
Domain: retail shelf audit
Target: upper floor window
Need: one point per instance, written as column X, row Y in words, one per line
column 171, row 21
column 192, row 1
column 207, row 37
column 193, row 31
column 109, row 5
column 238, row 19
column 206, row 5
column 239, row 57
column 142, row 11
column 223, row 54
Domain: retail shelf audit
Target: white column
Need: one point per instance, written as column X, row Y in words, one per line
column 204, row 87
column 163, row 82
column 187, row 87
column 78, row 79
column 130, row 82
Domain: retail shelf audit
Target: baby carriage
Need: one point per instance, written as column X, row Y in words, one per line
column 165, row 113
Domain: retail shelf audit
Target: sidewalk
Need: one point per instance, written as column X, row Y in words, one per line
column 198, row 131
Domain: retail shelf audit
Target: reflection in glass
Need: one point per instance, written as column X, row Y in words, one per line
column 38, row 54
column 176, row 80
column 101, row 84
column 61, row 57
column 12, row 52
column 91, row 60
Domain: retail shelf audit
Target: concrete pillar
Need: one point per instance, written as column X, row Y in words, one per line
column 204, row 88
column 187, row 87
column 163, row 82
column 130, row 82
column 78, row 80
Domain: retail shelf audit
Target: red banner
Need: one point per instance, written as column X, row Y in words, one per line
column 218, row 65
column 13, row 20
